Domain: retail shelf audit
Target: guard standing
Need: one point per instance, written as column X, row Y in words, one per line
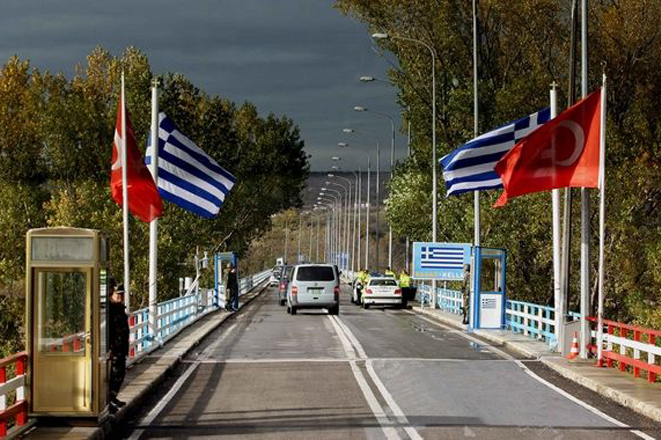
column 118, row 344
column 390, row 273
column 466, row 290
column 405, row 284
column 233, row 289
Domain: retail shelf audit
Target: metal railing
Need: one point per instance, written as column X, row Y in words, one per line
column 532, row 320
column 13, row 406
column 629, row 347
column 447, row 300
column 175, row 314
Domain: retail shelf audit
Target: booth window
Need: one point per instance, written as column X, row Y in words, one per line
column 63, row 312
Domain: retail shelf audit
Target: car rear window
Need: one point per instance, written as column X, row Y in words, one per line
column 315, row 273
column 383, row 283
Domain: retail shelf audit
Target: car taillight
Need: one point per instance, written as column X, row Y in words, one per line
column 294, row 290
column 282, row 286
column 398, row 291
column 336, row 293
column 369, row 291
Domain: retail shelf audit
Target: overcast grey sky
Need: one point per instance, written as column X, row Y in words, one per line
column 295, row 57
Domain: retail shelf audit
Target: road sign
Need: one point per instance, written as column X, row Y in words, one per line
column 440, row 261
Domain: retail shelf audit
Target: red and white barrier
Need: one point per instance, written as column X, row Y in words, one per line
column 626, row 345
column 14, row 414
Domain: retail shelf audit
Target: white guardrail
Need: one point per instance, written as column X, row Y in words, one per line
column 175, row 314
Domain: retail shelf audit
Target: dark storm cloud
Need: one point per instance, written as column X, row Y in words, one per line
column 295, row 57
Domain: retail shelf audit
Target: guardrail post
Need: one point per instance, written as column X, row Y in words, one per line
column 636, row 353
column 21, row 417
column 3, row 401
column 651, row 377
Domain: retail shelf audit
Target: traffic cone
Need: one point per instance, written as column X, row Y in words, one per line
column 573, row 353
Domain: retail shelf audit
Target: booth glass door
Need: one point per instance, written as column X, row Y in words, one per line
column 62, row 367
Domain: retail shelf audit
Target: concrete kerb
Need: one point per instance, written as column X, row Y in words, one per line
column 106, row 428
column 555, row 362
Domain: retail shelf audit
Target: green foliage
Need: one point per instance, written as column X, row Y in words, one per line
column 55, row 146
column 519, row 55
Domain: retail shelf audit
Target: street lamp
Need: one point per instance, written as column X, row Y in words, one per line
column 347, row 222
column 378, row 180
column 367, row 216
column 382, row 36
column 392, row 165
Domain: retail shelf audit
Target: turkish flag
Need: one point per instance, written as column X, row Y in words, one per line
column 144, row 200
column 562, row 153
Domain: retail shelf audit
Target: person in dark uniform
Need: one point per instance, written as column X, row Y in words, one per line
column 118, row 344
column 233, row 289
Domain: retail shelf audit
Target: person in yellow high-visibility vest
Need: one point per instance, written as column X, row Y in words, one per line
column 405, row 284
column 390, row 273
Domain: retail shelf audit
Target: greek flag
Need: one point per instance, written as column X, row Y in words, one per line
column 438, row 257
column 471, row 166
column 187, row 176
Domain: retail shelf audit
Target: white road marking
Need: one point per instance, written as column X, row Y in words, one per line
column 375, row 359
column 389, row 431
column 151, row 416
column 396, row 410
column 560, row 391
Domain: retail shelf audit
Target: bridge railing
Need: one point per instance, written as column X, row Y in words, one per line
column 448, row 300
column 175, row 314
column 13, row 406
column 629, row 347
column 532, row 320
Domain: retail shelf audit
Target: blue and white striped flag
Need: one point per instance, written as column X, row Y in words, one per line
column 471, row 166
column 187, row 176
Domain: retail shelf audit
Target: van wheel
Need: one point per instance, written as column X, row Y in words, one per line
column 334, row 311
column 366, row 306
column 293, row 310
column 282, row 302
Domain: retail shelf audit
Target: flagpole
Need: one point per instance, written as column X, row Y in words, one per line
column 585, row 202
column 555, row 203
column 125, row 206
column 602, row 220
column 567, row 208
column 153, row 225
column 476, row 194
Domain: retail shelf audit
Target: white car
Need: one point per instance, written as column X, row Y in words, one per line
column 382, row 291
column 274, row 280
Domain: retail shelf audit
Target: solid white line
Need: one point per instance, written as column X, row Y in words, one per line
column 530, row 373
column 151, row 416
column 379, row 414
column 344, row 360
column 396, row 410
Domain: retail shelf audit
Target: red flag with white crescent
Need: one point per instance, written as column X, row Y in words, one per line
column 144, row 200
column 562, row 153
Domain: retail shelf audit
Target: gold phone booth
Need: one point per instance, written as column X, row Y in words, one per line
column 66, row 305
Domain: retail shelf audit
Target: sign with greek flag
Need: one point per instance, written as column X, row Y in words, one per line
column 471, row 166
column 187, row 176
column 440, row 261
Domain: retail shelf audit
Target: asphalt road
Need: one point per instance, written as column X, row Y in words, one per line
column 368, row 374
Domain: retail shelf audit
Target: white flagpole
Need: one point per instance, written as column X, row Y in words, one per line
column 125, row 206
column 476, row 194
column 153, row 226
column 585, row 201
column 602, row 220
column 555, row 203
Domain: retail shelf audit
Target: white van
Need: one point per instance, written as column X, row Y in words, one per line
column 314, row 286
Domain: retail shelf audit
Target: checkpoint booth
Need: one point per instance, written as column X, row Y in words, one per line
column 488, row 288
column 445, row 262
column 66, row 308
column 221, row 260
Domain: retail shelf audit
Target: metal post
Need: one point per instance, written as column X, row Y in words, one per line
column 125, row 205
column 566, row 242
column 286, row 238
column 378, row 202
column 311, row 228
column 360, row 189
column 602, row 221
column 392, row 168
column 298, row 254
column 367, row 216
column 153, row 225
column 476, row 194
column 555, row 213
column 585, row 202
